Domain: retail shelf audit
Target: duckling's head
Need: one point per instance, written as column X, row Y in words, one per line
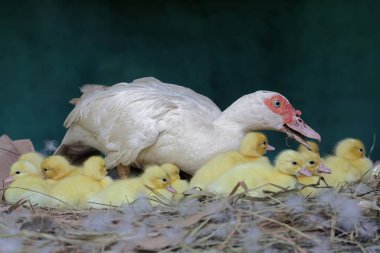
column 172, row 171
column 96, row 166
column 157, row 178
column 291, row 162
column 313, row 163
column 314, row 147
column 350, row 149
column 21, row 169
column 55, row 167
column 33, row 157
column 255, row 144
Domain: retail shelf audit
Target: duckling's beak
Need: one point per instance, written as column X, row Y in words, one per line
column 270, row 148
column 304, row 172
column 9, row 179
column 171, row 189
column 323, row 169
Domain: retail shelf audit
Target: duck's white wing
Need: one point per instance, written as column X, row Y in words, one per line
column 88, row 90
column 124, row 119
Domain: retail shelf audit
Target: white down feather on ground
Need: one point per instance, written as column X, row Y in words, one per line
column 202, row 222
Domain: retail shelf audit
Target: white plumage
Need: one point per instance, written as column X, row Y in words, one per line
column 148, row 121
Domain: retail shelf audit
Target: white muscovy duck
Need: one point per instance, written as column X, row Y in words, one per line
column 151, row 122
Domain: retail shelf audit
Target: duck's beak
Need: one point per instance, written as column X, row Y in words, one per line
column 9, row 179
column 171, row 189
column 323, row 169
column 304, row 172
column 270, row 148
column 297, row 129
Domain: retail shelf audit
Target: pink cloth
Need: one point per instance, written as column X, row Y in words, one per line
column 10, row 151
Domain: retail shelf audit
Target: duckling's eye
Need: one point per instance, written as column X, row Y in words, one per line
column 361, row 150
column 45, row 170
column 311, row 162
column 265, row 143
column 18, row 172
column 294, row 163
column 277, row 103
column 164, row 180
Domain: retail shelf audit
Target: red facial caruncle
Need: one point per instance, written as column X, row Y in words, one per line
column 293, row 125
column 280, row 105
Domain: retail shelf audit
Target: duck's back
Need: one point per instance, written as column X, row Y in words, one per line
column 126, row 118
column 143, row 97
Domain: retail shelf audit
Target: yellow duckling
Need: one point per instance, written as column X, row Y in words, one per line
column 125, row 191
column 314, row 147
column 313, row 163
column 33, row 157
column 24, row 174
column 252, row 147
column 353, row 150
column 95, row 167
column 58, row 167
column 179, row 185
column 74, row 191
column 173, row 171
column 288, row 164
column 349, row 163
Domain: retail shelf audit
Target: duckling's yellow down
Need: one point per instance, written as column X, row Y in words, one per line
column 27, row 182
column 261, row 176
column 128, row 190
column 349, row 163
column 253, row 146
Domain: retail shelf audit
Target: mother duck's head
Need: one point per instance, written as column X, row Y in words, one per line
column 268, row 110
column 290, row 121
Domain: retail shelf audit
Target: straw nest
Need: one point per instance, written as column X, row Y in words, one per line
column 348, row 221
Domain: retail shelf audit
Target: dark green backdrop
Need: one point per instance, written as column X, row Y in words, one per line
column 323, row 55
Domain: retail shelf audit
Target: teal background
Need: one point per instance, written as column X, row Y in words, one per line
column 322, row 55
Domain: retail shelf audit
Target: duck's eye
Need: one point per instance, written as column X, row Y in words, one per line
column 45, row 170
column 265, row 143
column 277, row 103
column 361, row 150
column 164, row 180
column 311, row 162
column 18, row 172
column 294, row 163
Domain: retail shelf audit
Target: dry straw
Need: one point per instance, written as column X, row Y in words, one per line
column 284, row 221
